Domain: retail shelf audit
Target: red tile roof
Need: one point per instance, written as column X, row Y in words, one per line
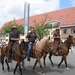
column 66, row 16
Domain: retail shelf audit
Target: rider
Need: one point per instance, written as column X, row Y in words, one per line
column 31, row 38
column 56, row 36
column 13, row 37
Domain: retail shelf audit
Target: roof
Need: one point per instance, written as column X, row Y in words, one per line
column 65, row 16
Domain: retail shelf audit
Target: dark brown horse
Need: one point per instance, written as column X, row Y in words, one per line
column 18, row 55
column 63, row 51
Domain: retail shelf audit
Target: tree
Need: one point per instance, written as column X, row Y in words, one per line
column 42, row 28
column 7, row 28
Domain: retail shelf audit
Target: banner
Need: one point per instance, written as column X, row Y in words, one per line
column 26, row 17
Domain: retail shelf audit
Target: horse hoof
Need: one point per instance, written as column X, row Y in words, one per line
column 52, row 65
column 14, row 73
column 43, row 73
column 4, row 71
column 34, row 71
column 44, row 65
column 24, row 68
column 58, row 66
column 68, row 69
column 8, row 70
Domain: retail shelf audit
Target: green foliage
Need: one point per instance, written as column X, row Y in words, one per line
column 41, row 31
column 7, row 28
column 42, row 28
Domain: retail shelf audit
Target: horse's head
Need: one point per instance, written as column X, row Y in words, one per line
column 24, row 47
column 71, row 39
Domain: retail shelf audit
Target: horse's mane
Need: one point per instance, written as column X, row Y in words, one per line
column 68, row 39
column 24, row 42
column 42, row 43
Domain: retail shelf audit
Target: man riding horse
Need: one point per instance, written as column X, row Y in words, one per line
column 13, row 37
column 31, row 38
column 56, row 37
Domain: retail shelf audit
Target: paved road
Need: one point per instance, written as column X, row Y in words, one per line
column 48, row 69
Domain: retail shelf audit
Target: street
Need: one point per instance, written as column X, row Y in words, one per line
column 49, row 70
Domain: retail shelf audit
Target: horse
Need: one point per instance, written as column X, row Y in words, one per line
column 41, row 48
column 63, row 51
column 18, row 54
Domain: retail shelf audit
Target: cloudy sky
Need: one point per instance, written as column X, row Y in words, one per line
column 14, row 9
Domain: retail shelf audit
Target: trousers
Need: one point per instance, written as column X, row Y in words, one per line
column 29, row 49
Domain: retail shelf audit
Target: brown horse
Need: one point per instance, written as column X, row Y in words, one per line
column 18, row 55
column 63, row 51
column 41, row 48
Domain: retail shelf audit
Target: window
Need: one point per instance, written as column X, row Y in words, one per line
column 49, row 19
column 49, row 25
column 64, row 22
column 65, row 31
column 56, row 25
column 67, row 15
column 60, row 17
column 74, row 21
column 73, row 30
column 6, row 39
column 6, row 35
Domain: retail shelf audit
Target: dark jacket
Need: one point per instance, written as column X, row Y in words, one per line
column 13, row 35
column 31, row 37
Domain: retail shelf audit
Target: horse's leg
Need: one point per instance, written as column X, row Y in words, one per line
column 38, row 60
column 15, row 68
column 34, row 66
column 18, row 64
column 64, row 58
column 7, row 65
column 2, row 62
column 44, row 57
column 20, row 68
column 50, row 55
column 60, row 62
column 23, row 64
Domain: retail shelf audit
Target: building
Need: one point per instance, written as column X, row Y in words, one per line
column 64, row 19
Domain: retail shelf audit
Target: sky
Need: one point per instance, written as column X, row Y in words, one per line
column 14, row 9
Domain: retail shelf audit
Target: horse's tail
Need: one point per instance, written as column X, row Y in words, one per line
column 3, row 52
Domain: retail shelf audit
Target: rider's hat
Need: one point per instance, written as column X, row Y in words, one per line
column 14, row 27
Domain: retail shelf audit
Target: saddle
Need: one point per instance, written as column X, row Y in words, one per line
column 61, row 46
column 11, row 47
column 14, row 46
